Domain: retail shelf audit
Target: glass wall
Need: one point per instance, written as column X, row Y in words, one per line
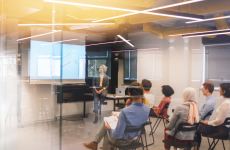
column 55, row 59
column 217, row 60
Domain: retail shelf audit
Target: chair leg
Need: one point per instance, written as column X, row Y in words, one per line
column 157, row 125
column 146, row 141
column 215, row 144
column 208, row 142
column 164, row 122
column 153, row 139
column 142, row 143
column 223, row 144
column 154, row 126
column 150, row 123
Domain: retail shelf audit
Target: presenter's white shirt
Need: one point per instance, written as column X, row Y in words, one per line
column 101, row 80
column 150, row 98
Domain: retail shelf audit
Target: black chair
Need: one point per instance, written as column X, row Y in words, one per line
column 183, row 127
column 143, row 132
column 216, row 140
column 136, row 143
column 208, row 114
column 201, row 120
column 153, row 129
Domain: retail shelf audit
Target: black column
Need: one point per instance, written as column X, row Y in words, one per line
column 114, row 73
column 115, row 59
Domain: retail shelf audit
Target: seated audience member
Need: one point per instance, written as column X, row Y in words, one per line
column 209, row 103
column 135, row 115
column 168, row 92
column 144, row 100
column 148, row 96
column 185, row 113
column 215, row 128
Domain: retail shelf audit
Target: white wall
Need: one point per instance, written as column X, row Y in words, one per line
column 180, row 65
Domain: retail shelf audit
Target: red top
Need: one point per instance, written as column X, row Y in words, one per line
column 161, row 106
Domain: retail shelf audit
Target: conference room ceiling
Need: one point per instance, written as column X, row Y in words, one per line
column 38, row 11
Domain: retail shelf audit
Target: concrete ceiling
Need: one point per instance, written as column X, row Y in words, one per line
column 41, row 12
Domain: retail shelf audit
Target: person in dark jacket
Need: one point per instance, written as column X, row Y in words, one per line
column 100, row 89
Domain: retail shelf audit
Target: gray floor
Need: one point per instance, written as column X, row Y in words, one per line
column 45, row 136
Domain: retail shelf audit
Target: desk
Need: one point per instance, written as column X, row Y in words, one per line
column 108, row 97
column 114, row 98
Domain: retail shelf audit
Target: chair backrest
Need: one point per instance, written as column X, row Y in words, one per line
column 166, row 106
column 227, row 121
column 130, row 129
column 133, row 129
column 186, row 127
column 208, row 114
column 201, row 119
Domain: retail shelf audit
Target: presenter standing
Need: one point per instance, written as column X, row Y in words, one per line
column 100, row 89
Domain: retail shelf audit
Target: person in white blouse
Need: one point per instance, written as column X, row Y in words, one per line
column 215, row 128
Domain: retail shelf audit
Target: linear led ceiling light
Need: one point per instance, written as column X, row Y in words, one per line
column 65, row 41
column 54, row 31
column 131, row 10
column 148, row 49
column 105, row 43
column 216, row 18
column 158, row 8
column 67, row 24
column 125, row 40
column 61, row 41
column 201, row 34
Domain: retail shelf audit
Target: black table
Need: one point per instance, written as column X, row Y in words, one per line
column 114, row 98
column 108, row 97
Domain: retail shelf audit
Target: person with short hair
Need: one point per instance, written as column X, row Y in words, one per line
column 168, row 92
column 133, row 116
column 209, row 103
column 149, row 101
column 215, row 128
column 147, row 86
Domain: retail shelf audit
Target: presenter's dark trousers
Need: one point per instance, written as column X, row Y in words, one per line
column 212, row 131
column 99, row 98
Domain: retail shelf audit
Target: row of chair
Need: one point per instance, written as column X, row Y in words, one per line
column 139, row 142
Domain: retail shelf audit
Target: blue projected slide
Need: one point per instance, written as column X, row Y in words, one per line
column 45, row 61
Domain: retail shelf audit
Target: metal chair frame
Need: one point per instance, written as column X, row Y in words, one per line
column 209, row 113
column 159, row 119
column 214, row 142
column 130, row 129
column 183, row 127
column 144, row 132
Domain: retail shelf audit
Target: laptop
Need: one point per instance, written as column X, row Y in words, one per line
column 120, row 92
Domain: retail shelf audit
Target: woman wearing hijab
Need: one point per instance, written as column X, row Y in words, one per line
column 185, row 113
column 216, row 128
